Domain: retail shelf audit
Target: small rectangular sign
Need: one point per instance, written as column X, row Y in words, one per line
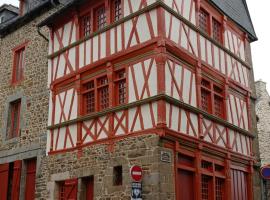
column 136, row 191
column 166, row 156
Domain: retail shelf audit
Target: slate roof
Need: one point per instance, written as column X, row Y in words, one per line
column 19, row 21
column 237, row 10
column 10, row 8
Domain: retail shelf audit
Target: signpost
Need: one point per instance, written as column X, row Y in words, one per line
column 136, row 173
column 136, row 187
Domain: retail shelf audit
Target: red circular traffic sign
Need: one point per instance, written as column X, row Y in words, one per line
column 136, row 173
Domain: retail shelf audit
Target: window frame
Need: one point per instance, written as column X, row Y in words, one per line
column 117, row 80
column 113, row 11
column 10, row 134
column 95, row 17
column 213, row 94
column 213, row 14
column 21, row 67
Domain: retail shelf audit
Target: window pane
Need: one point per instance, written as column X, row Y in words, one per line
column 100, row 17
column 90, row 97
column 216, row 27
column 203, row 21
column 86, row 25
column 104, row 97
column 14, row 119
column 206, row 187
column 117, row 9
column 219, row 189
column 218, row 103
column 206, row 100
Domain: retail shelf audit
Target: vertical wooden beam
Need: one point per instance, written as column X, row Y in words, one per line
column 79, row 113
column 228, row 180
column 198, row 181
column 161, row 88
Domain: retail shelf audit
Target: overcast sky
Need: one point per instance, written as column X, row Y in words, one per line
column 259, row 11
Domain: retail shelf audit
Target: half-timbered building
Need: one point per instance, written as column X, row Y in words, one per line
column 164, row 84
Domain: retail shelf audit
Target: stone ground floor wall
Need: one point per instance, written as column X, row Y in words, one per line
column 97, row 161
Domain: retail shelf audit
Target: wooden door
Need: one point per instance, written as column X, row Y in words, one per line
column 185, row 185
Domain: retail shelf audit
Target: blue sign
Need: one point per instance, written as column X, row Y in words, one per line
column 265, row 172
column 136, row 191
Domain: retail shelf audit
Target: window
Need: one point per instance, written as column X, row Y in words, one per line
column 204, row 21
column 117, row 175
column 103, row 93
column 100, row 17
column 121, row 87
column 216, row 30
column 2, row 18
column 13, row 126
column 212, row 173
column 116, row 10
column 85, row 23
column 18, row 65
column 89, row 97
column 210, row 25
column 212, row 100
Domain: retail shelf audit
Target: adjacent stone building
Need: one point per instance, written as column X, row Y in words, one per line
column 23, row 102
column 263, row 125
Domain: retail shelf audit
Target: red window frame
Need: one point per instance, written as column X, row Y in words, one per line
column 116, row 9
column 103, row 93
column 100, row 17
column 89, row 96
column 210, row 22
column 216, row 30
column 204, row 20
column 120, row 87
column 18, row 63
column 13, row 126
column 86, row 25
column 212, row 98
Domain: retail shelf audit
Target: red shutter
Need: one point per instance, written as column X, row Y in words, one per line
column 185, row 185
column 15, row 194
column 70, row 188
column 30, row 179
column 4, row 168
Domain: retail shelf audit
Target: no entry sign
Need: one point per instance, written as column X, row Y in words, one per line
column 265, row 172
column 136, row 173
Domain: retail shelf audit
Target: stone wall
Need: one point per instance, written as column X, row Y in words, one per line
column 96, row 160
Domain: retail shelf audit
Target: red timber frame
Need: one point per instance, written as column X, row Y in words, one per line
column 211, row 177
column 116, row 116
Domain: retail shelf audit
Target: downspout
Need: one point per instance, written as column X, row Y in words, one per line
column 54, row 3
column 41, row 34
